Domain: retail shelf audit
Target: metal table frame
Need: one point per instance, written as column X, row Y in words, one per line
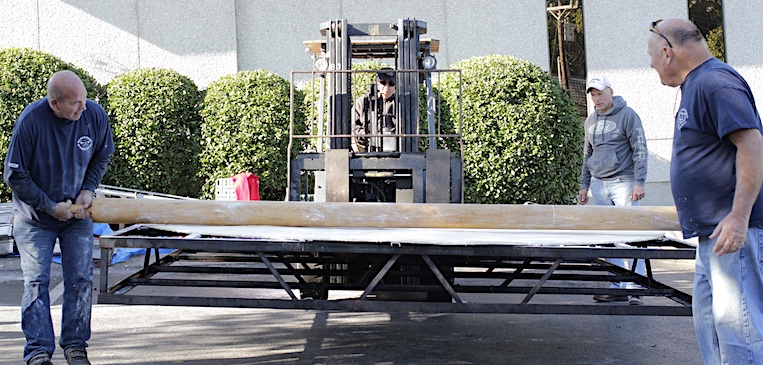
column 506, row 278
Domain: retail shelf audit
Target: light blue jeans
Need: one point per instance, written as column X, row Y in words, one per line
column 35, row 246
column 617, row 192
column 728, row 302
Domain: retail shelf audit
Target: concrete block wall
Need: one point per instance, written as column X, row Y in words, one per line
column 208, row 39
column 616, row 33
column 111, row 37
column 744, row 43
column 270, row 35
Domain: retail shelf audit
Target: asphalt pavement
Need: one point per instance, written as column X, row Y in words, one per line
column 199, row 336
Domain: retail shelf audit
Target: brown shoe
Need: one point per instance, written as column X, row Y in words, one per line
column 610, row 298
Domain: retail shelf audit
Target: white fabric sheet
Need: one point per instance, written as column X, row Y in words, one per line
column 434, row 236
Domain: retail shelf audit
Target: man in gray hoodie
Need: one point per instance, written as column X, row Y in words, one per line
column 614, row 163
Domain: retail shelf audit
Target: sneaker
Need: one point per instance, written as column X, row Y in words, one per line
column 40, row 359
column 635, row 300
column 610, row 298
column 76, row 356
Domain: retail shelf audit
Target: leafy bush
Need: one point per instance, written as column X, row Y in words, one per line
column 360, row 85
column 362, row 80
column 522, row 136
column 311, row 90
column 715, row 43
column 444, row 122
column 155, row 119
column 246, row 129
column 24, row 75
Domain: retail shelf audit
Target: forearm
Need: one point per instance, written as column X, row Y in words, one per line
column 749, row 169
column 640, row 161
column 94, row 174
column 585, row 178
column 28, row 192
column 637, row 140
column 585, row 173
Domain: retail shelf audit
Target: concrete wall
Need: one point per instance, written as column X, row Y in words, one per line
column 270, row 35
column 744, row 43
column 108, row 38
column 616, row 33
column 208, row 39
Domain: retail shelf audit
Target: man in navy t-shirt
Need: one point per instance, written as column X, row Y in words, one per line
column 58, row 153
column 716, row 178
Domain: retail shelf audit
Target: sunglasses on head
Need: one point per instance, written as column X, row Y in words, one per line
column 387, row 83
column 653, row 29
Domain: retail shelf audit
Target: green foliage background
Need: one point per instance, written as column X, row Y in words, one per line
column 24, row 75
column 522, row 135
column 155, row 120
column 246, row 129
column 311, row 90
column 715, row 43
column 361, row 82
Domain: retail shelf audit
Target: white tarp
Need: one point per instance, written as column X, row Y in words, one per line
column 434, row 236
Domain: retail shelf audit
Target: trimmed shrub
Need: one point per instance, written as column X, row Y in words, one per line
column 155, row 119
column 24, row 75
column 715, row 43
column 311, row 90
column 246, row 129
column 523, row 138
column 361, row 82
column 443, row 121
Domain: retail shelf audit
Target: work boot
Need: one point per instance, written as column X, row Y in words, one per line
column 40, row 359
column 76, row 356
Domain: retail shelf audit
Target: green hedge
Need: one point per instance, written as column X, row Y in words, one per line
column 156, row 124
column 360, row 85
column 246, row 129
column 522, row 136
column 24, row 75
column 311, row 90
column 444, row 121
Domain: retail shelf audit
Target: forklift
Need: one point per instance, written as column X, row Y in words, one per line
column 405, row 160
column 400, row 164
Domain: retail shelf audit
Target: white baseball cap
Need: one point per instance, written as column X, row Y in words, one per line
column 598, row 82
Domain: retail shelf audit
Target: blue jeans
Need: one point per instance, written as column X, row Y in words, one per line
column 35, row 246
column 617, row 192
column 728, row 302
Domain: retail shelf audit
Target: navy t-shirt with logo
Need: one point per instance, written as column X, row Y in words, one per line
column 51, row 159
column 715, row 101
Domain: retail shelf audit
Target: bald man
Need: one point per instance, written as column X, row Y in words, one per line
column 59, row 151
column 716, row 178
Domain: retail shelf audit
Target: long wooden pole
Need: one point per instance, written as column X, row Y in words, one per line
column 383, row 215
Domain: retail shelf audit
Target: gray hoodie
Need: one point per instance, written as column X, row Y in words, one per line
column 615, row 146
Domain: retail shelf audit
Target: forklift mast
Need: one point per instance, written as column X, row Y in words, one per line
column 399, row 172
column 405, row 48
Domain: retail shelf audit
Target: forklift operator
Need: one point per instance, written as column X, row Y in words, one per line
column 377, row 104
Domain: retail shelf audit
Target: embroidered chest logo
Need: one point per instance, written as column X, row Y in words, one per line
column 681, row 118
column 84, row 143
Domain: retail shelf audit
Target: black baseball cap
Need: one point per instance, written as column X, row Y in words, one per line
column 386, row 74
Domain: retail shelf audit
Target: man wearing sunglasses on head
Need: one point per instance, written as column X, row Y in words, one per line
column 377, row 104
column 716, row 176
